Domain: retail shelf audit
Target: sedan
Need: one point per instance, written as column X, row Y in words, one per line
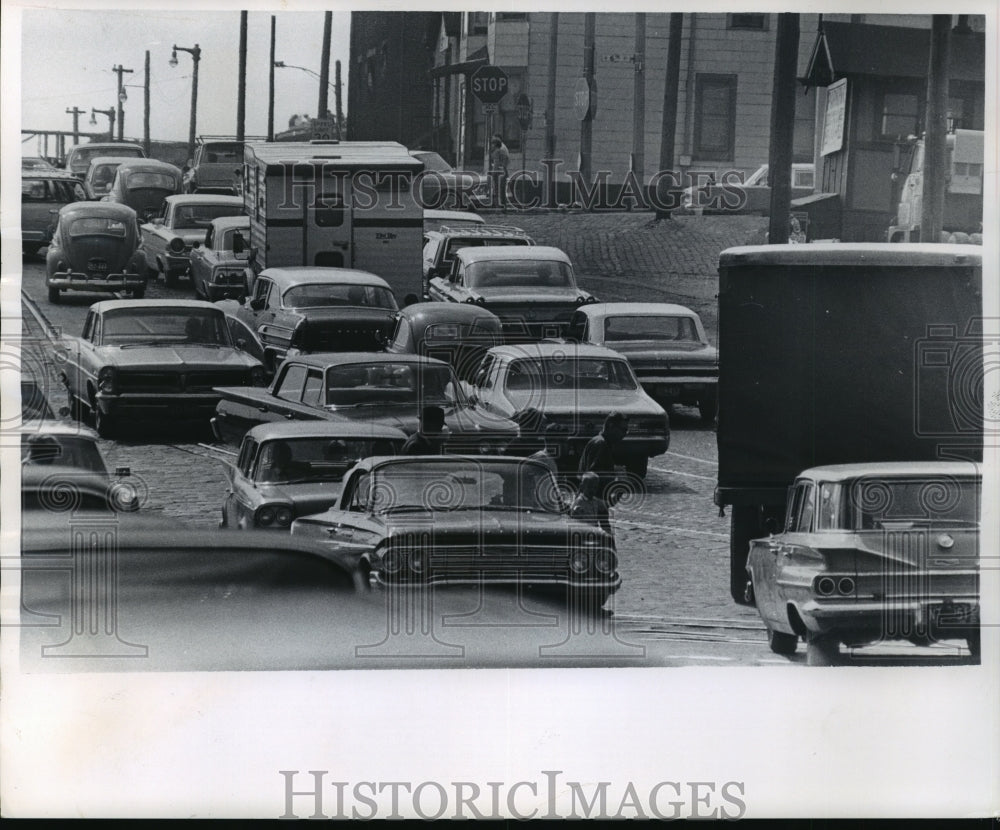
column 871, row 553
column 752, row 195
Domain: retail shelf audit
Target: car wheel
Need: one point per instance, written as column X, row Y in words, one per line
column 104, row 424
column 708, row 407
column 77, row 411
column 822, row 650
column 782, row 643
column 638, row 466
column 54, row 295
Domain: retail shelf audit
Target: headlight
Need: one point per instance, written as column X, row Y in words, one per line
column 265, row 517
column 417, row 561
column 257, row 376
column 486, row 448
column 124, row 496
column 579, row 561
column 605, row 562
column 107, row 380
column 471, row 300
column 177, row 245
column 392, row 561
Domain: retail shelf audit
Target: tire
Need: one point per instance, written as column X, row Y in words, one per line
column 822, row 650
column 104, row 424
column 782, row 643
column 708, row 407
column 169, row 278
column 54, row 295
column 77, row 411
column 742, row 528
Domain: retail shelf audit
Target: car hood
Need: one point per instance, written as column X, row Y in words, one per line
column 164, row 358
column 590, row 401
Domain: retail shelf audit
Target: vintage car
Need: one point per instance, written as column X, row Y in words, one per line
column 384, row 389
column 434, row 219
column 440, row 245
column 152, row 358
column 143, row 185
column 869, row 553
column 752, row 195
column 285, row 470
column 576, row 386
column 457, row 334
column 302, row 309
column 171, row 236
column 95, row 247
column 43, row 193
column 422, row 521
column 78, row 158
column 34, row 404
column 530, row 288
column 101, row 173
column 218, row 272
column 216, row 167
column 442, row 186
column 665, row 344
column 36, row 163
column 72, row 449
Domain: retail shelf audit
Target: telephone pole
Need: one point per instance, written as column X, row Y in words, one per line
column 145, row 110
column 270, row 87
column 241, row 95
column 587, row 124
column 668, row 124
column 340, row 101
column 779, row 164
column 550, row 107
column 935, row 138
column 76, row 113
column 324, row 67
column 119, row 70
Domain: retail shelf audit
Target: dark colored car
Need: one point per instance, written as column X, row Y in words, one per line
column 101, row 173
column 492, row 521
column 43, row 194
column 385, row 389
column 442, row 186
column 216, row 168
column 872, row 552
column 143, row 185
column 286, row 470
column 95, row 247
column 218, row 272
column 457, row 334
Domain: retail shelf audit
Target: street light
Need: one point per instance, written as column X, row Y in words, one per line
column 317, row 76
column 110, row 113
column 195, row 53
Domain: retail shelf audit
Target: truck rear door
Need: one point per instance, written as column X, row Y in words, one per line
column 328, row 220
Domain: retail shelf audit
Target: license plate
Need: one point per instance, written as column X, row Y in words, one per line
column 97, row 266
column 952, row 614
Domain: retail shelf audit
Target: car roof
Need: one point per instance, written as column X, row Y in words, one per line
column 528, row 252
column 286, row 277
column 226, row 222
column 324, row 429
column 325, row 360
column 431, row 312
column 635, row 309
column 37, row 173
column 910, row 254
column 114, row 210
column 453, row 216
column 481, row 231
column 111, row 145
column 112, row 305
column 447, row 458
column 204, row 199
column 110, row 159
column 541, row 350
column 149, row 164
column 47, row 426
column 891, row 469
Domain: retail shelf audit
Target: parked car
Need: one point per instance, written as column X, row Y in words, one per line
column 287, row 470
column 576, row 386
column 171, row 236
column 302, row 309
column 101, row 173
column 434, row 219
column 218, row 272
column 872, row 552
column 216, row 168
column 34, row 404
column 752, row 195
column 532, row 289
column 144, row 185
column 36, row 163
column 79, row 157
column 95, row 247
column 440, row 245
column 665, row 344
column 43, row 193
column 383, row 389
column 72, row 451
column 457, row 334
column 152, row 359
column 492, row 520
column 445, row 187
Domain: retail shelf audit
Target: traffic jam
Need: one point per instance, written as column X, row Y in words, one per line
column 310, row 418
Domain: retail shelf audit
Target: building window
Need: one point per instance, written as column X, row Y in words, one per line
column 900, row 115
column 477, row 23
column 757, row 22
column 715, row 117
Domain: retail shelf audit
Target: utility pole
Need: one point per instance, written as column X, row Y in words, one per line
column 120, row 70
column 145, row 110
column 270, row 87
column 550, row 107
column 587, row 124
column 340, row 100
column 639, row 99
column 241, row 95
column 668, row 124
column 935, row 131
column 76, row 112
column 779, row 169
column 324, row 67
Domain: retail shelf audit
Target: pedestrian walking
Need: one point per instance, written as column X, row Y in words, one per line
column 429, row 438
column 588, row 506
column 499, row 164
column 603, row 453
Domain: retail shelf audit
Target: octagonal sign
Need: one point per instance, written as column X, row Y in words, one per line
column 489, row 84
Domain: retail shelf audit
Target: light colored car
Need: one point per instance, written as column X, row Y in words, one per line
column 43, row 193
column 733, row 194
column 665, row 344
column 169, row 238
column 869, row 553
column 36, row 163
column 443, row 186
column 434, row 219
column 78, row 158
column 101, row 173
column 218, row 272
column 440, row 245
column 216, row 168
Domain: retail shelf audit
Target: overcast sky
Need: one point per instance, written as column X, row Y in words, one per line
column 67, row 58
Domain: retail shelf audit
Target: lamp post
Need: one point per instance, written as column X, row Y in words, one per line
column 317, row 76
column 110, row 113
column 119, row 70
column 195, row 53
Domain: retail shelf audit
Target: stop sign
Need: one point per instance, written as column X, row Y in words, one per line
column 489, row 84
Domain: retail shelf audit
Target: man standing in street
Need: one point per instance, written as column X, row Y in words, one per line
column 499, row 163
column 603, row 453
column 429, row 439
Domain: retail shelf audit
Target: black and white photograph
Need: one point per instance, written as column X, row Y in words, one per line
column 429, row 412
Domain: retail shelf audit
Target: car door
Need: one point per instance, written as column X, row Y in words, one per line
column 768, row 557
column 238, row 496
column 256, row 312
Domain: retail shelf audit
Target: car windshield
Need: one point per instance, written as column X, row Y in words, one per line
column 569, row 373
column 223, row 153
column 198, row 217
column 432, row 161
column 883, row 503
column 155, row 181
column 320, row 295
column 462, row 484
column 62, row 450
column 294, row 460
column 97, row 225
column 164, row 326
column 647, row 327
column 519, row 273
column 410, row 383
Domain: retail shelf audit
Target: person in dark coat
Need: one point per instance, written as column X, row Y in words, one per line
column 604, row 452
column 429, row 439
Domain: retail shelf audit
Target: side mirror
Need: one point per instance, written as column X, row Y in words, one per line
column 257, row 303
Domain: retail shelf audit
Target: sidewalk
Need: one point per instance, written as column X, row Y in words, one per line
column 631, row 256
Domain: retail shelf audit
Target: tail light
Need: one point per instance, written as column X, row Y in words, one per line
column 846, row 586
column 825, row 586
column 271, row 515
column 177, row 245
column 606, row 562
